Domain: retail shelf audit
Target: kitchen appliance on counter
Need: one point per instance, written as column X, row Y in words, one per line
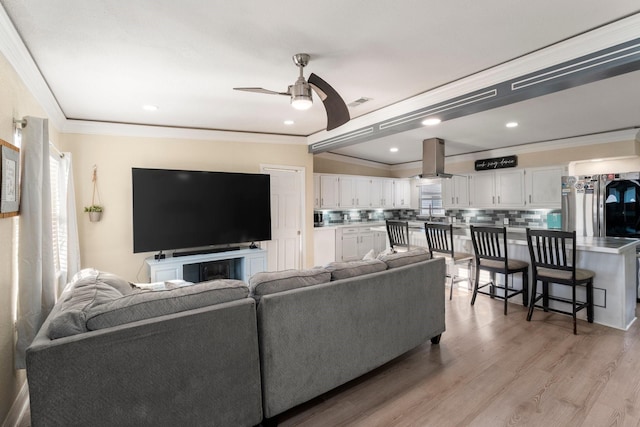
column 602, row 205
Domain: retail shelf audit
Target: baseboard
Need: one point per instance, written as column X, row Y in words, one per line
column 19, row 408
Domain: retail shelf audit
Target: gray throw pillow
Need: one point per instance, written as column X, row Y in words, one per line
column 399, row 259
column 344, row 270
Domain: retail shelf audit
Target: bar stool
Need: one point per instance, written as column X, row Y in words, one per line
column 398, row 233
column 440, row 244
column 490, row 250
column 552, row 264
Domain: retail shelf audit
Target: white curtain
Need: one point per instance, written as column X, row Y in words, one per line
column 36, row 272
column 68, row 241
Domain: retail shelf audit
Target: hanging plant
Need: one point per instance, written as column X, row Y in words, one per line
column 95, row 209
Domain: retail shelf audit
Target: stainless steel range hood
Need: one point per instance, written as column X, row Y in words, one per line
column 433, row 159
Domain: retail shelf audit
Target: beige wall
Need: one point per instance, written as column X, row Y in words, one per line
column 324, row 165
column 108, row 244
column 15, row 102
column 621, row 156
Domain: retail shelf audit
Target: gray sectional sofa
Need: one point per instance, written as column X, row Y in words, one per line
column 223, row 353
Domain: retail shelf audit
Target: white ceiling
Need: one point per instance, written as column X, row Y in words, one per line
column 103, row 61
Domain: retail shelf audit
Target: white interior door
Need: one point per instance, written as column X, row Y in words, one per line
column 284, row 250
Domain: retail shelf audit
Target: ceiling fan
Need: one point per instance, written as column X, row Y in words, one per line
column 300, row 93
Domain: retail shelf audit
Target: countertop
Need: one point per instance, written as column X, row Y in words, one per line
column 518, row 236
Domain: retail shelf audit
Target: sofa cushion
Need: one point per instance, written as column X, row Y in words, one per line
column 123, row 286
column 399, row 259
column 270, row 282
column 344, row 270
column 147, row 304
column 79, row 296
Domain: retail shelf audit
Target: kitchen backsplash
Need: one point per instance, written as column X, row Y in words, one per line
column 525, row 218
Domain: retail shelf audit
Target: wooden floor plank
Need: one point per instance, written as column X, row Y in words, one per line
column 495, row 370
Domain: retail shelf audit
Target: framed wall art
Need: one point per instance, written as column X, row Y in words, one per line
column 10, row 179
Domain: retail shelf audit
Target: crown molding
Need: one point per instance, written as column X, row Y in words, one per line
column 600, row 38
column 18, row 55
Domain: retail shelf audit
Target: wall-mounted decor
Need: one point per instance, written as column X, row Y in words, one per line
column 10, row 184
column 95, row 209
column 497, row 163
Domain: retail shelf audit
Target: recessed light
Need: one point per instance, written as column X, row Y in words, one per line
column 289, row 122
column 393, row 149
column 431, row 121
column 149, row 107
column 512, row 124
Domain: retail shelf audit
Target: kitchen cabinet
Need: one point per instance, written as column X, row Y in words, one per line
column 379, row 241
column 382, row 193
column 401, row 194
column 497, row 189
column 542, row 187
column 455, row 192
column 353, row 243
column 482, row 190
column 510, row 188
column 329, row 191
column 324, row 245
column 347, row 191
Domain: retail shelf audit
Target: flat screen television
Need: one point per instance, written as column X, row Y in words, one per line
column 178, row 209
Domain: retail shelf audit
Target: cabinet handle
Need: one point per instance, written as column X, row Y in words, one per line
column 357, row 201
column 353, row 201
column 452, row 200
column 529, row 198
column 322, row 201
column 498, row 199
column 493, row 199
column 457, row 199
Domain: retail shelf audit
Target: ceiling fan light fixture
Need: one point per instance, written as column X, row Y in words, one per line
column 301, row 102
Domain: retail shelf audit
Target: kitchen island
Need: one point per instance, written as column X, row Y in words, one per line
column 613, row 259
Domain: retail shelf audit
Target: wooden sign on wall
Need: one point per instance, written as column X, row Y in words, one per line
column 496, row 163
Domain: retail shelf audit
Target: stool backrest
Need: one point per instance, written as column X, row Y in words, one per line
column 439, row 238
column 398, row 233
column 489, row 243
column 553, row 250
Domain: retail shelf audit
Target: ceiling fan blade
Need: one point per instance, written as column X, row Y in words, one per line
column 337, row 111
column 261, row 90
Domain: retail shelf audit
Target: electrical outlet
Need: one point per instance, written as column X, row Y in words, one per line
column 505, row 221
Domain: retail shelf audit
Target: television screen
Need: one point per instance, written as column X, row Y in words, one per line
column 177, row 209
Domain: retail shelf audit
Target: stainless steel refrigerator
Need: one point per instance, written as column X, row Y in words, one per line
column 602, row 205
column 581, row 205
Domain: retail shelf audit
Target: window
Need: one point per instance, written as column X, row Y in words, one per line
column 431, row 199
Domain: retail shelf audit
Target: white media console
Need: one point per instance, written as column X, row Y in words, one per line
column 244, row 262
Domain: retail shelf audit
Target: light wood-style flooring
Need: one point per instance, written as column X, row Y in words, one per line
column 495, row 370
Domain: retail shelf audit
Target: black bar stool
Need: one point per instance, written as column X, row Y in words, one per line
column 553, row 256
column 490, row 250
column 398, row 233
column 440, row 243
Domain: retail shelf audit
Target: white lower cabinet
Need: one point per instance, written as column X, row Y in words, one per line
column 324, row 245
column 353, row 243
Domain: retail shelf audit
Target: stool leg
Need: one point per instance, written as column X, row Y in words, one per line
column 590, row 301
column 545, row 296
column 475, row 285
column 492, row 288
column 525, row 288
column 506, row 292
column 452, row 282
column 533, row 298
column 573, row 302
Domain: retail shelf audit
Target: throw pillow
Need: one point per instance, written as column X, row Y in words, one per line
column 404, row 258
column 344, row 270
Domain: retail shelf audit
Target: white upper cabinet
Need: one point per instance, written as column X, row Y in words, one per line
column 455, row 192
column 351, row 191
column 402, row 193
column 510, row 188
column 543, row 187
column 497, row 189
column 329, row 191
column 482, row 190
